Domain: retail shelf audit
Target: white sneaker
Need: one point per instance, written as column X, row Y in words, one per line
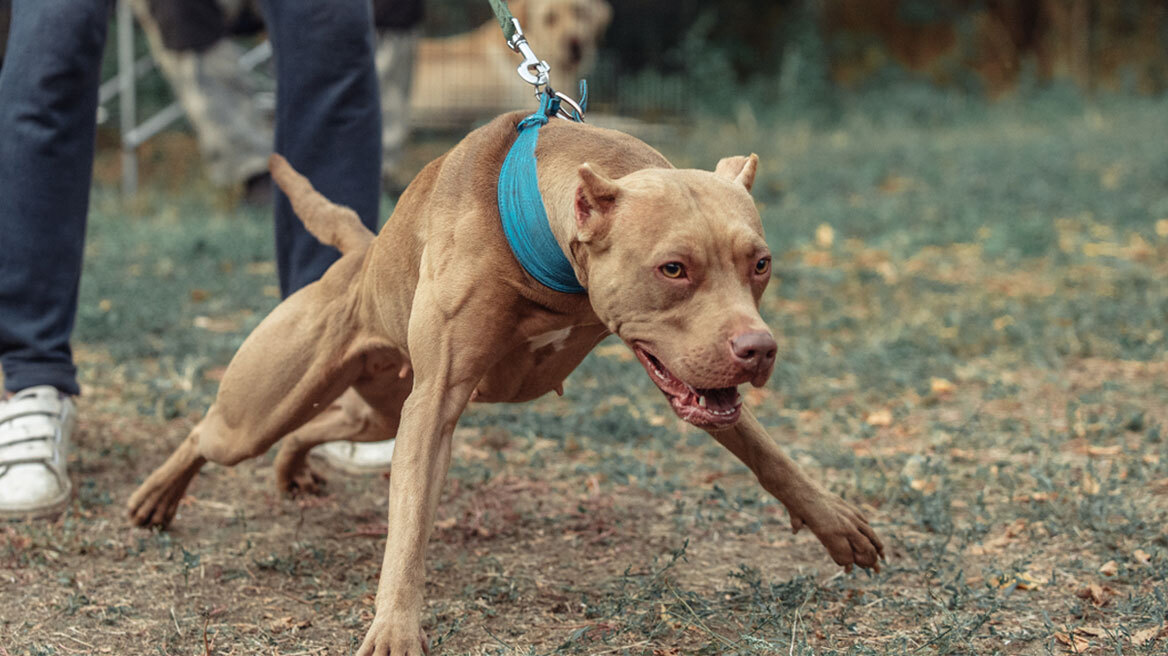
column 357, row 457
column 35, row 427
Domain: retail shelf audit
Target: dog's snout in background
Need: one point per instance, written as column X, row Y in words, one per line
column 575, row 51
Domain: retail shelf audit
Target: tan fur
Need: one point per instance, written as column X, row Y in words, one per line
column 334, row 225
column 397, row 337
column 472, row 75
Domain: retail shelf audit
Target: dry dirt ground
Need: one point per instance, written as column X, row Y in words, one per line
column 538, row 548
column 991, row 386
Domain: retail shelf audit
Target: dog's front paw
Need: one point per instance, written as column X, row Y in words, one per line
column 843, row 529
column 389, row 638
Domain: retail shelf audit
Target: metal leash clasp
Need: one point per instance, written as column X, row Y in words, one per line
column 533, row 70
column 537, row 73
column 569, row 108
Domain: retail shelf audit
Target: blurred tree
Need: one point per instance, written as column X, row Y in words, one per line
column 1112, row 44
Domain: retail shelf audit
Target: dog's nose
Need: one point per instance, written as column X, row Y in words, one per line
column 754, row 350
column 575, row 51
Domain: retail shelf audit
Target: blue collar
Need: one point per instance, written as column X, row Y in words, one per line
column 525, row 221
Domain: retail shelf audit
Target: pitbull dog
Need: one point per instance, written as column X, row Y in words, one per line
column 408, row 327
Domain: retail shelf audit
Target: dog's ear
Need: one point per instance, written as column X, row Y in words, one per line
column 519, row 11
column 603, row 15
column 739, row 169
column 595, row 198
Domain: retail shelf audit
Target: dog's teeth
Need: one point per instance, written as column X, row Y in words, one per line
column 702, row 401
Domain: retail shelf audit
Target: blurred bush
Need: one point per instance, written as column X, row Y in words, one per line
column 998, row 44
column 674, row 56
column 668, row 57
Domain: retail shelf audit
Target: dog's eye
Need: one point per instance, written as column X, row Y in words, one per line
column 550, row 19
column 762, row 266
column 673, row 270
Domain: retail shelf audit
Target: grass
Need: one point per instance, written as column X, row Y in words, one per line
column 971, row 305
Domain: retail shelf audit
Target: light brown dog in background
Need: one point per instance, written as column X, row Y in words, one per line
column 408, row 327
column 472, row 75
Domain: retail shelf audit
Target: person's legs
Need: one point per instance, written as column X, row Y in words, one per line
column 48, row 106
column 48, row 88
column 328, row 126
column 328, row 120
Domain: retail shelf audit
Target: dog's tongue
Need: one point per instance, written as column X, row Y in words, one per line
column 720, row 399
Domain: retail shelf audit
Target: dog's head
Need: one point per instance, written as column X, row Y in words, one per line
column 564, row 32
column 675, row 263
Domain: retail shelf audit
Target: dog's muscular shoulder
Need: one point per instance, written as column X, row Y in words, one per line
column 450, row 209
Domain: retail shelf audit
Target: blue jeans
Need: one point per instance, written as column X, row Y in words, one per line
column 328, row 125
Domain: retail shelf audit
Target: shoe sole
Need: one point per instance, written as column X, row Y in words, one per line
column 42, row 510
column 347, row 466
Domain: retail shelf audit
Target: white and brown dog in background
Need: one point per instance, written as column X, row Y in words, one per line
column 468, row 76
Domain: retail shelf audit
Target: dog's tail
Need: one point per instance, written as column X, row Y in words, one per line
column 335, row 225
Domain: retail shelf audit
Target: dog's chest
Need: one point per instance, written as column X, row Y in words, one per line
column 538, row 365
column 556, row 339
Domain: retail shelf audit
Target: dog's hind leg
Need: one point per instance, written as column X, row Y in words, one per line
column 292, row 366
column 367, row 412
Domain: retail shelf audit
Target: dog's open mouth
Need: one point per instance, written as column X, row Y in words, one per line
column 705, row 408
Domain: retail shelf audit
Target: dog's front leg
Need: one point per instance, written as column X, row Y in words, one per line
column 839, row 525
column 449, row 354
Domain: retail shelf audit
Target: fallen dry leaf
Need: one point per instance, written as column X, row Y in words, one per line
column 894, row 184
column 824, row 235
column 216, row 325
column 265, row 268
column 1033, row 496
column 1020, row 581
column 965, row 454
column 1110, row 568
column 1142, row 557
column 941, row 387
column 1105, row 451
column 1027, row 581
column 1075, row 643
column 1016, row 528
column 881, row 417
column 1092, row 631
column 1090, row 485
column 1098, row 595
column 1144, row 636
column 925, row 485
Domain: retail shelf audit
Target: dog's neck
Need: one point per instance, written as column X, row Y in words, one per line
column 560, row 203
